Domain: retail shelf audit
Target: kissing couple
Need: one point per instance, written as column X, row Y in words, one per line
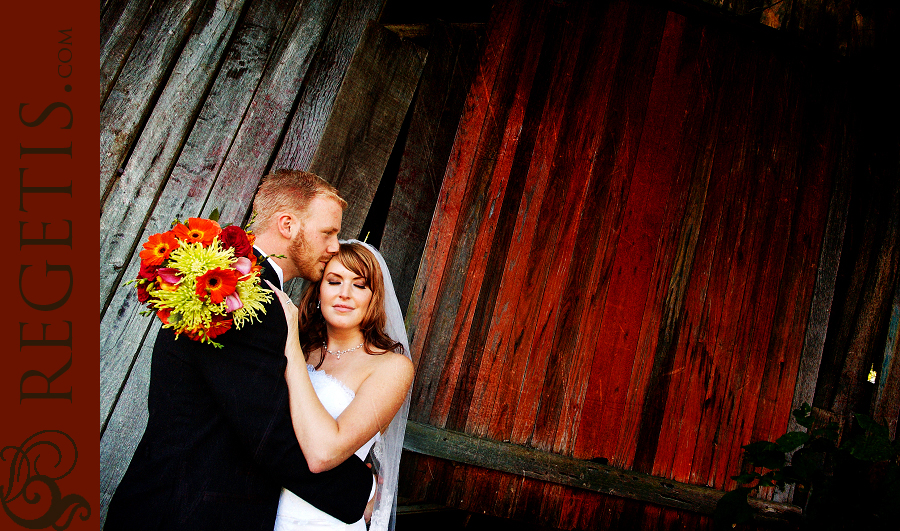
column 270, row 431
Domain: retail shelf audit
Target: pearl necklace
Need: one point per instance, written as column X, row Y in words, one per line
column 337, row 353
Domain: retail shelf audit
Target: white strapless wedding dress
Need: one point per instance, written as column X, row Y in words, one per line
column 293, row 512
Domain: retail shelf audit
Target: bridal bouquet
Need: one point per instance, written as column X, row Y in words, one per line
column 201, row 279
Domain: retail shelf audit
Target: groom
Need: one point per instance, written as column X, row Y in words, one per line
column 219, row 443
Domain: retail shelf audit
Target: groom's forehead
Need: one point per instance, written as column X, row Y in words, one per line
column 324, row 213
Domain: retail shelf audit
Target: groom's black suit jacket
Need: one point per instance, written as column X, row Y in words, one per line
column 219, row 443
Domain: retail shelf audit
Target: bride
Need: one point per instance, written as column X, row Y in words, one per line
column 349, row 375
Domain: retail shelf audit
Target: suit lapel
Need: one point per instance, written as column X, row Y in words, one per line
column 268, row 272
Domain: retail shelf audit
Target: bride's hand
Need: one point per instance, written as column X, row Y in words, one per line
column 290, row 312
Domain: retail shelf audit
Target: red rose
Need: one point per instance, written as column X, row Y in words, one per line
column 143, row 295
column 234, row 237
column 148, row 271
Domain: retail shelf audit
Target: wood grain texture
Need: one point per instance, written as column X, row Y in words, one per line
column 431, row 283
column 826, row 276
column 121, row 22
column 622, row 258
column 191, row 187
column 628, row 257
column 132, row 196
column 131, row 98
column 254, row 145
column 366, row 118
column 887, row 394
column 548, row 467
column 503, row 156
column 556, row 150
column 449, row 69
column 320, row 87
column 123, row 331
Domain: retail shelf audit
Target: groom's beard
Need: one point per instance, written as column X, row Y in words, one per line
column 309, row 265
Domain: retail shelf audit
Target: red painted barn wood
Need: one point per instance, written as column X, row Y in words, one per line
column 623, row 254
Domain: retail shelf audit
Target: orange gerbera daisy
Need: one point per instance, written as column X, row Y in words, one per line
column 163, row 314
column 198, row 230
column 217, row 284
column 219, row 325
column 158, row 248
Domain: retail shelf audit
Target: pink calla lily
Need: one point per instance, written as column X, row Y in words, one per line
column 233, row 302
column 168, row 275
column 243, row 265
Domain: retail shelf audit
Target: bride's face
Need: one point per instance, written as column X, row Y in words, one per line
column 344, row 296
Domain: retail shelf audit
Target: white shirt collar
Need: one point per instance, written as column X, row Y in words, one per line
column 275, row 267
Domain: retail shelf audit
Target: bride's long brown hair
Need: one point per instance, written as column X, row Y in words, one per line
column 314, row 334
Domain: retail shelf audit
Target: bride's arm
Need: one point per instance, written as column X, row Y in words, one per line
column 327, row 442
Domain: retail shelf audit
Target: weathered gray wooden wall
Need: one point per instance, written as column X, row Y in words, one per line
column 201, row 98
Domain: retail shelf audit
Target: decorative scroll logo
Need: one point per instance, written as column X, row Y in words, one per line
column 32, row 498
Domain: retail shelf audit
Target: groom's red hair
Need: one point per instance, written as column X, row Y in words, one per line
column 290, row 190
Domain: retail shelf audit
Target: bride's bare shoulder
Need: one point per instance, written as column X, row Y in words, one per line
column 393, row 363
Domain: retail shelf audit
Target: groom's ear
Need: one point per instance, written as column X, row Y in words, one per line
column 287, row 224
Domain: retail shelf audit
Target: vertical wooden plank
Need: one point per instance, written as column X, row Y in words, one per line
column 826, row 275
column 810, row 204
column 497, row 389
column 770, row 417
column 887, row 393
column 534, row 239
column 877, row 271
column 366, row 119
column 608, row 190
column 253, row 146
column 562, row 152
column 122, row 331
column 628, row 256
column 466, row 408
column 131, row 197
column 191, row 184
column 668, row 305
column 449, row 70
column 695, row 411
column 578, row 239
column 321, row 84
column 693, row 400
column 687, row 74
column 506, row 344
column 130, row 100
column 757, row 301
column 543, row 386
column 120, row 24
column 776, row 242
column 718, row 332
column 487, row 206
column 429, row 332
